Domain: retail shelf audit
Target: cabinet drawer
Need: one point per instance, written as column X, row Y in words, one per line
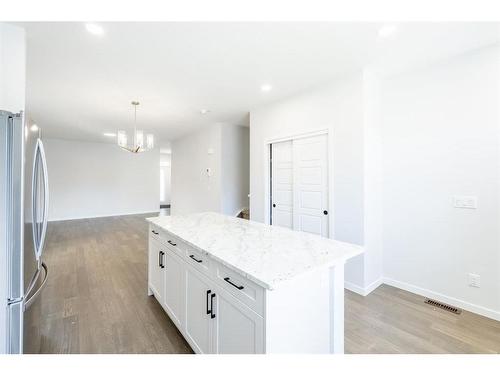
column 166, row 239
column 242, row 288
column 198, row 260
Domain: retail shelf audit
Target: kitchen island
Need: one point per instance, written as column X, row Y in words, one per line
column 237, row 286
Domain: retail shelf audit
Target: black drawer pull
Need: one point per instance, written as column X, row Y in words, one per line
column 227, row 280
column 209, row 311
column 171, row 243
column 212, row 314
column 196, row 260
column 154, row 232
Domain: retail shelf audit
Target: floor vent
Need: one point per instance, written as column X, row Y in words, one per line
column 454, row 310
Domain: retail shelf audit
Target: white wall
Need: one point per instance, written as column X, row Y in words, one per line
column 99, row 179
column 192, row 189
column 12, row 68
column 337, row 107
column 235, row 178
column 440, row 131
column 166, row 167
column 224, row 150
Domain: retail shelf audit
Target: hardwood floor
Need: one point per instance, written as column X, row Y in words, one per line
column 96, row 301
column 391, row 320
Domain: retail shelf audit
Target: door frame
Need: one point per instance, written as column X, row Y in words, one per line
column 267, row 172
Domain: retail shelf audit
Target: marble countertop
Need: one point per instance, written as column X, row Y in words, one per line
column 267, row 255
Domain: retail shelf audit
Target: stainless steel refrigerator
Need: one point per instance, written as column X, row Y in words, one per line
column 24, row 197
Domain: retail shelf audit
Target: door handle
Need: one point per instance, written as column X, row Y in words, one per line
column 212, row 314
column 227, row 280
column 39, row 161
column 171, row 243
column 325, row 212
column 154, row 232
column 274, row 205
column 209, row 311
column 196, row 260
column 29, row 301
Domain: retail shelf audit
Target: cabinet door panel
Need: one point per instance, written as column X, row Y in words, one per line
column 155, row 271
column 198, row 322
column 174, row 287
column 238, row 329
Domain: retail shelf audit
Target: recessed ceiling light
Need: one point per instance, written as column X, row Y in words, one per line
column 34, row 128
column 204, row 111
column 109, row 134
column 94, row 29
column 266, row 87
column 387, row 30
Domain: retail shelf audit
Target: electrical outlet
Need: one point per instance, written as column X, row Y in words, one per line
column 465, row 201
column 474, row 280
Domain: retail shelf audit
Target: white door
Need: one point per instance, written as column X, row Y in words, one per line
column 310, row 188
column 198, row 314
column 237, row 329
column 282, row 184
column 174, row 287
column 156, row 272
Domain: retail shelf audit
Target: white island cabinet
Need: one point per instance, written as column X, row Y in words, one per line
column 237, row 286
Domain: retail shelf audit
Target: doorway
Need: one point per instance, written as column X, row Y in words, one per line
column 299, row 184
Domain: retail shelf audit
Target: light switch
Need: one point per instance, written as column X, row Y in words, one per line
column 465, row 201
column 474, row 280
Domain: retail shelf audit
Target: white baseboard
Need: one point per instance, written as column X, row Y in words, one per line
column 480, row 310
column 476, row 309
column 105, row 215
column 364, row 291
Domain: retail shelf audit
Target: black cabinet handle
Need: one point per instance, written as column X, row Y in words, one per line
column 154, row 232
column 196, row 260
column 227, row 280
column 160, row 259
column 212, row 314
column 209, row 310
column 171, row 243
column 274, row 205
column 325, row 212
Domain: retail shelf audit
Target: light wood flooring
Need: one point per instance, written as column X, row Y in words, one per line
column 96, row 301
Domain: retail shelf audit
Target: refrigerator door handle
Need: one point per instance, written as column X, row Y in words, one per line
column 39, row 235
column 31, row 299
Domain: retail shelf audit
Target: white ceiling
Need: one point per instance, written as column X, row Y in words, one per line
column 80, row 85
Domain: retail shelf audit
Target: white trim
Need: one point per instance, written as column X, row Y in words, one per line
column 484, row 311
column 364, row 291
column 330, row 161
column 104, row 215
column 297, row 136
column 354, row 288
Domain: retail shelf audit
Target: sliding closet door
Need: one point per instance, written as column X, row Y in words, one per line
column 310, row 187
column 282, row 184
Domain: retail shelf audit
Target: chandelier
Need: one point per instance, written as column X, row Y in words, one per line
column 137, row 138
